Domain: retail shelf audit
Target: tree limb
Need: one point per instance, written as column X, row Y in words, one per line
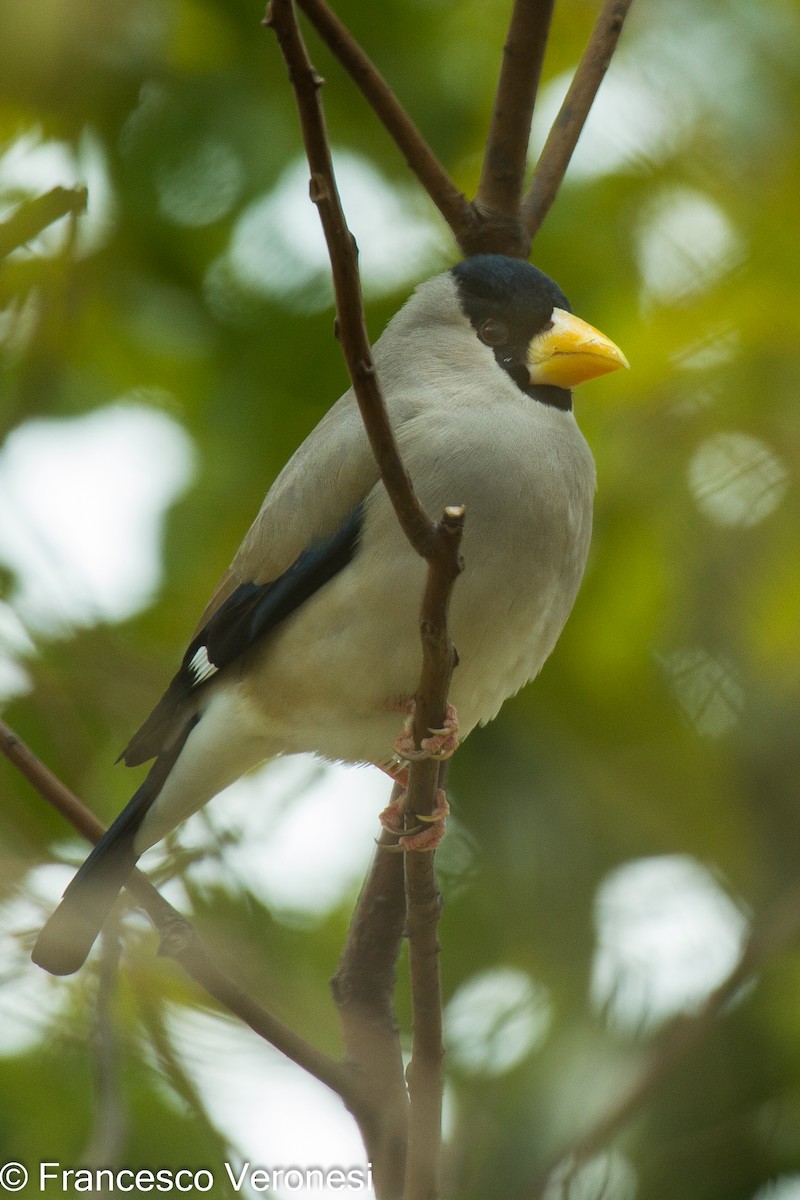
column 506, row 153
column 363, row 990
column 497, row 221
column 425, row 1072
column 563, row 137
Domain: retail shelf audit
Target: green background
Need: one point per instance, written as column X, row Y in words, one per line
column 663, row 732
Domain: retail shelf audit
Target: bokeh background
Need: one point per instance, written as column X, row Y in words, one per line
column 618, row 827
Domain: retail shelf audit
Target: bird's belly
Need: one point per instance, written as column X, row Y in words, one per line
column 499, row 654
column 334, row 676
column 338, row 674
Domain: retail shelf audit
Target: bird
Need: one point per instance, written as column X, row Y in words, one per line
column 310, row 641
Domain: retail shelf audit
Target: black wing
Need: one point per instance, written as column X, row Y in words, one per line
column 248, row 615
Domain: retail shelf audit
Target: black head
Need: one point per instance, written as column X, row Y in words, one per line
column 508, row 301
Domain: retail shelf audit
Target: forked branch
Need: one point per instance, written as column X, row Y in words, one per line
column 498, row 220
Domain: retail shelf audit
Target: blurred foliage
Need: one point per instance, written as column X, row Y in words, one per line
column 666, row 722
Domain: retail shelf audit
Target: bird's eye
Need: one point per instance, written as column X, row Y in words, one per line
column 493, row 333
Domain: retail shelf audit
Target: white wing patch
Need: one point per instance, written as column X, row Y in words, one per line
column 201, row 666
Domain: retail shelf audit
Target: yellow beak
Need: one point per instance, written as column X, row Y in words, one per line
column 570, row 352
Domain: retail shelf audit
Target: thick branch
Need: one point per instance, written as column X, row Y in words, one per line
column 769, row 934
column 563, row 137
column 506, row 155
column 364, row 982
column 35, row 215
column 425, row 1072
column 363, row 990
column 452, row 203
column 178, row 938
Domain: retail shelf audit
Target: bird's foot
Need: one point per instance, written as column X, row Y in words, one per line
column 426, row 834
column 441, row 744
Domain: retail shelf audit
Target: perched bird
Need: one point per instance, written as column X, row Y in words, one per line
column 311, row 642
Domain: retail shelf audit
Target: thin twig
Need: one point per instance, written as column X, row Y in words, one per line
column 495, row 222
column 35, row 215
column 506, row 153
column 563, row 137
column 769, row 934
column 178, row 939
column 452, row 203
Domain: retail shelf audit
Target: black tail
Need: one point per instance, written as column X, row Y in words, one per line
column 66, row 939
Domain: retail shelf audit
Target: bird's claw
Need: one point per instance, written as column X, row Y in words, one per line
column 424, row 836
column 441, row 744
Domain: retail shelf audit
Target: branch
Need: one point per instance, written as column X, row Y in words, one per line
column 363, row 986
column 769, row 934
column 178, row 939
column 439, row 545
column 425, row 1074
column 563, row 137
column 351, row 325
column 363, row 990
column 506, row 152
column 496, row 222
column 425, row 1071
column 452, row 203
column 35, row 215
